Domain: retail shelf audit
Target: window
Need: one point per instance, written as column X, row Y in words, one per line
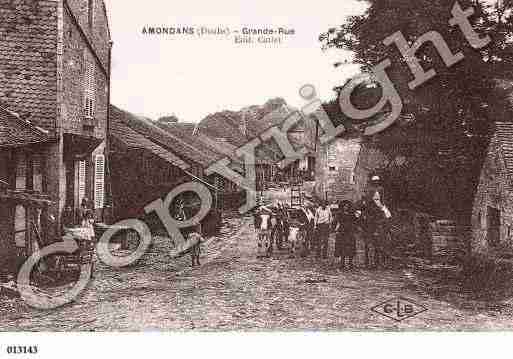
column 89, row 89
column 99, row 181
column 352, row 177
column 90, row 12
column 482, row 219
column 37, row 165
column 332, row 168
column 81, row 177
column 331, row 156
column 20, row 226
column 21, row 172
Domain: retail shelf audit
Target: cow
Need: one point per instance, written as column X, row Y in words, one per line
column 296, row 238
column 263, row 228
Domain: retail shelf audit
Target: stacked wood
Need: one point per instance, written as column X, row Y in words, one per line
column 449, row 240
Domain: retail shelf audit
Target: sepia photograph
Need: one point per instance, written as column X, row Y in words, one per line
column 275, row 167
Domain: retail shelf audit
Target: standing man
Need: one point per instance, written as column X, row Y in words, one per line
column 323, row 220
column 377, row 218
column 309, row 230
column 285, row 224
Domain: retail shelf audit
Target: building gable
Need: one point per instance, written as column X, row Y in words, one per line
column 91, row 17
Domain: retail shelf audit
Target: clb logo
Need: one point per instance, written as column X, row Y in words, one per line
column 399, row 309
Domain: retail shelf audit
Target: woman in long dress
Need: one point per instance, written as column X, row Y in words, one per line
column 345, row 245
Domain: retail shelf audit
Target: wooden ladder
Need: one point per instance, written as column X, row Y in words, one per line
column 296, row 194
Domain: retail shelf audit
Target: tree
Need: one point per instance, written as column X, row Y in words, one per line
column 448, row 123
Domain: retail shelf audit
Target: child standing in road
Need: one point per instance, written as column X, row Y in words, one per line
column 196, row 248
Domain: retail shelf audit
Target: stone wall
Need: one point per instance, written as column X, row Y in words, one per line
column 76, row 52
column 493, row 191
column 98, row 32
column 335, row 175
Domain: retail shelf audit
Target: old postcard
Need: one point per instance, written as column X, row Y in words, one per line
column 260, row 166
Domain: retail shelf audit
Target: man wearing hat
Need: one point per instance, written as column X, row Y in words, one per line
column 322, row 222
column 377, row 218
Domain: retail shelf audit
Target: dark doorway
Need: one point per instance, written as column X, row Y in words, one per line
column 494, row 226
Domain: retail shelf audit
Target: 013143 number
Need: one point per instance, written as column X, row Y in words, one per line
column 21, row 349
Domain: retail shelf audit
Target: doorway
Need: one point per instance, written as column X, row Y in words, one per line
column 494, row 226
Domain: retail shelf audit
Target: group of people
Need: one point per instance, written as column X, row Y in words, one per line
column 367, row 220
column 83, row 217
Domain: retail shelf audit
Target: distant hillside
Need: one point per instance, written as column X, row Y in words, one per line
column 230, row 125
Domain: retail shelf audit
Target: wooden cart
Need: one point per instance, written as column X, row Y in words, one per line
column 84, row 256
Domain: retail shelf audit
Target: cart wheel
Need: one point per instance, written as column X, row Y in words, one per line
column 132, row 237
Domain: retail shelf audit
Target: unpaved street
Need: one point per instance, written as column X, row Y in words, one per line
column 233, row 290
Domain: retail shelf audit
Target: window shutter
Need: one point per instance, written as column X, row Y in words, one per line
column 21, row 172
column 20, row 226
column 89, row 88
column 38, row 173
column 99, row 181
column 81, row 181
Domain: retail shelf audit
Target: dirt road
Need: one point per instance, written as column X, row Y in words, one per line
column 233, row 290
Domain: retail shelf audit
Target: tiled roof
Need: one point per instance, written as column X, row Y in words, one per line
column 207, row 146
column 15, row 132
column 175, row 144
column 184, row 132
column 223, row 125
column 134, row 140
column 504, row 135
column 28, row 76
column 224, row 147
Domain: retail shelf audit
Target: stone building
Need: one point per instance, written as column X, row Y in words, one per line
column 55, row 71
column 492, row 216
column 335, row 170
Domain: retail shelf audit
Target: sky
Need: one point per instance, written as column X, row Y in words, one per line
column 192, row 77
